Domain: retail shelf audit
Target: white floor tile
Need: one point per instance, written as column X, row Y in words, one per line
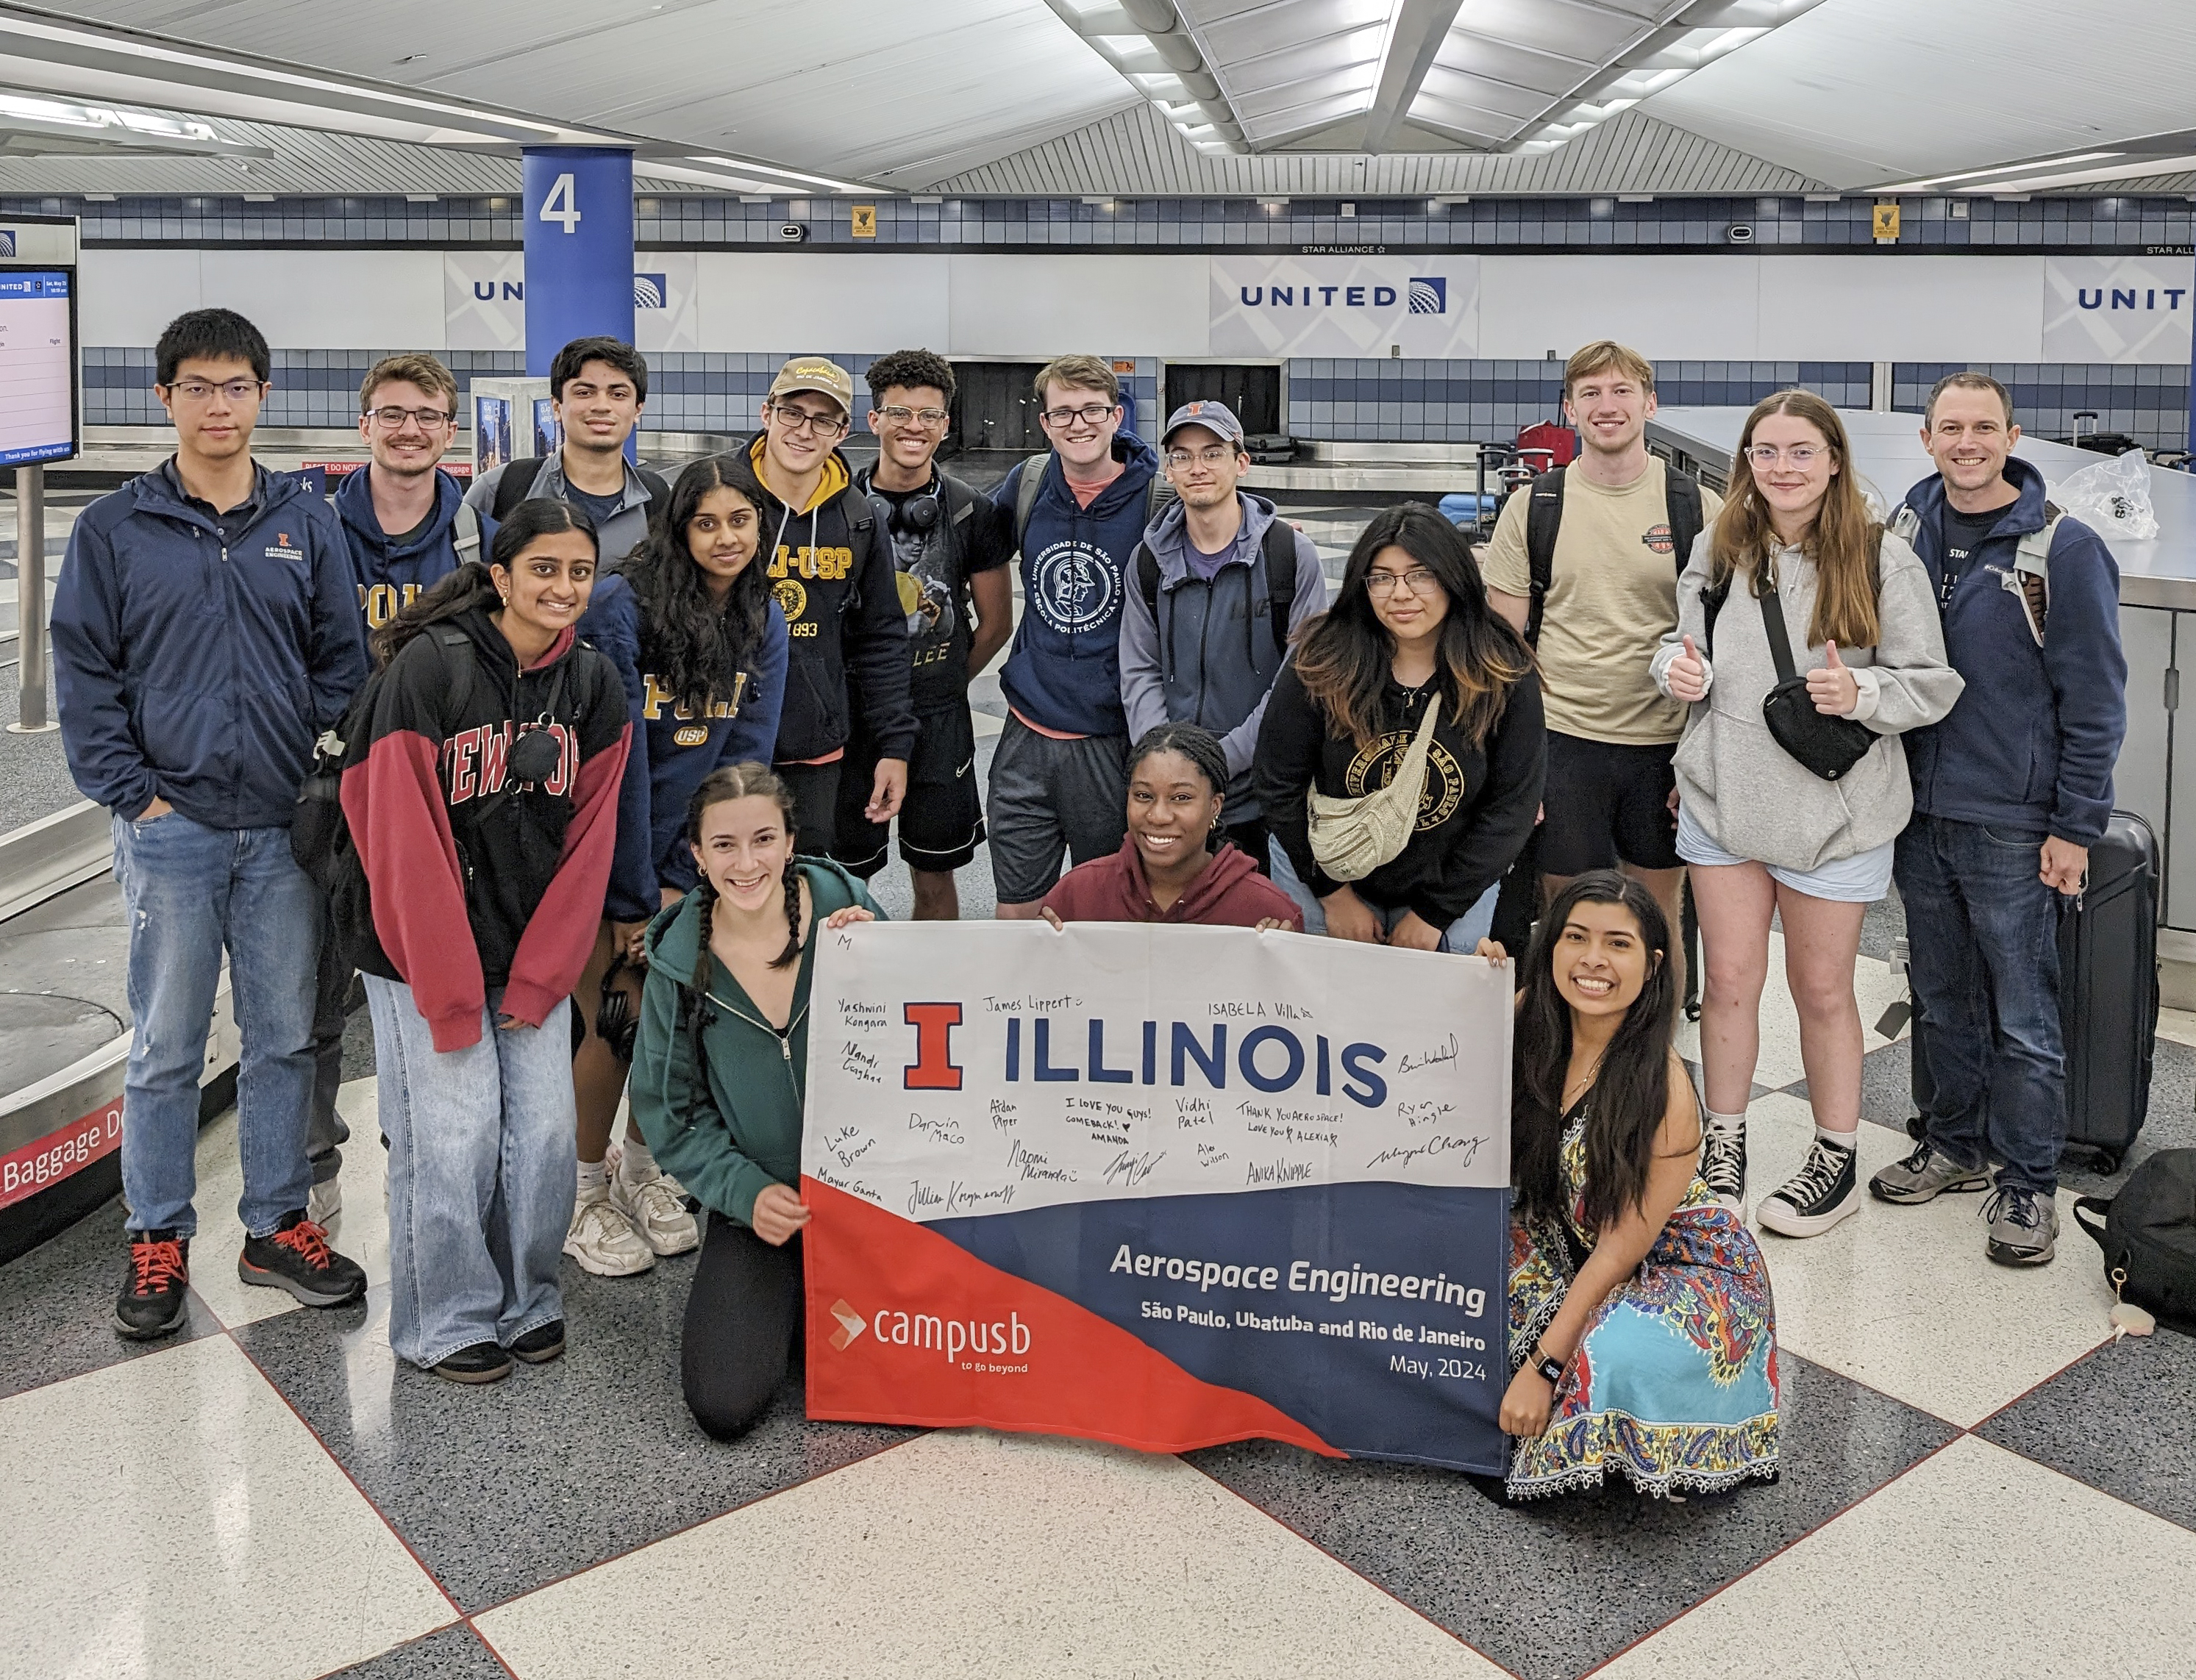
column 1976, row 1563
column 181, row 1521
column 974, row 1554
column 1905, row 1299
column 363, row 1232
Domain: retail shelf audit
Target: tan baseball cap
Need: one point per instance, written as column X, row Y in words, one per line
column 818, row 374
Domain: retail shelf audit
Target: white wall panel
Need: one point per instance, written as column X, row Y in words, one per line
column 820, row 302
column 330, row 300
column 1033, row 307
column 1901, row 308
column 1670, row 307
column 128, row 296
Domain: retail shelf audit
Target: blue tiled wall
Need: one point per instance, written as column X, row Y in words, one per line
column 2150, row 404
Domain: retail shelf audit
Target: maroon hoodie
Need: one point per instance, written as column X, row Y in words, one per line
column 1227, row 892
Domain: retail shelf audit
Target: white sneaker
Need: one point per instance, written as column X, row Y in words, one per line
column 603, row 1240
column 324, row 1206
column 655, row 1209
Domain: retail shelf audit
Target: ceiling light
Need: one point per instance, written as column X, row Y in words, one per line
column 1928, row 181
column 831, row 181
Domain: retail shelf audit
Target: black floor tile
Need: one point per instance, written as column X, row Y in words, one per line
column 57, row 1305
column 1549, row 1588
column 2117, row 1420
column 449, row 1654
column 502, row 1488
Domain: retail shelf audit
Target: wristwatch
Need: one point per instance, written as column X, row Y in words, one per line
column 1550, row 1368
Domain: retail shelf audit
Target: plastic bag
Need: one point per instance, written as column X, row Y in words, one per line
column 2111, row 498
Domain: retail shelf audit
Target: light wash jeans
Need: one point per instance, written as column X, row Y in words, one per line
column 1461, row 935
column 481, row 1174
column 191, row 891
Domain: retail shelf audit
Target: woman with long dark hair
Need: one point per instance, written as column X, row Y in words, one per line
column 1796, row 548
column 482, row 796
column 719, row 1078
column 1642, row 1334
column 1409, row 630
column 689, row 621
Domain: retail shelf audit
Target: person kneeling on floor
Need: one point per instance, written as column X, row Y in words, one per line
column 1642, row 1335
column 720, row 1073
column 480, row 784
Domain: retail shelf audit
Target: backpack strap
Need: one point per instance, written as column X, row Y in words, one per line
column 1280, row 543
column 457, row 664
column 1905, row 524
column 515, row 485
column 1156, row 495
column 1032, row 480
column 2032, row 569
column 1147, row 576
column 1544, row 518
column 1681, row 501
column 465, row 533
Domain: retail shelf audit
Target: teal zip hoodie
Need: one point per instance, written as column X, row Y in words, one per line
column 726, row 1134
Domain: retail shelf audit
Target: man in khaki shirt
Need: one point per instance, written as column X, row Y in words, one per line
column 1612, row 592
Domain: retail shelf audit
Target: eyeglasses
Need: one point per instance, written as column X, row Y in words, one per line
column 802, row 419
column 1799, row 455
column 900, row 415
column 1213, row 455
column 1418, row 581
column 1090, row 413
column 236, row 390
column 393, row 418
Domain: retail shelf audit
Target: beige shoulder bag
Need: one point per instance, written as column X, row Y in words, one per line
column 1351, row 838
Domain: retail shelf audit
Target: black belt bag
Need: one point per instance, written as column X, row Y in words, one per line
column 1826, row 744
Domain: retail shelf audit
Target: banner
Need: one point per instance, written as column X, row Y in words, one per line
column 1345, row 306
column 1161, row 1186
column 2117, row 308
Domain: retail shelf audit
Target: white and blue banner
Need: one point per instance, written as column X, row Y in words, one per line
column 1345, row 306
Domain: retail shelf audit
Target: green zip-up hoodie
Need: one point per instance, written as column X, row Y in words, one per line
column 727, row 1136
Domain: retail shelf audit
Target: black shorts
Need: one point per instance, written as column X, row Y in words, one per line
column 941, row 820
column 1607, row 804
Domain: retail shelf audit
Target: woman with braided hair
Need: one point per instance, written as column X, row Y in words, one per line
column 719, row 1078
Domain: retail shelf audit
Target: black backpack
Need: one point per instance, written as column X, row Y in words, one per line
column 1544, row 518
column 1280, row 550
column 2148, row 1234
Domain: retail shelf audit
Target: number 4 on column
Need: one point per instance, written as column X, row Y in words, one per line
column 562, row 206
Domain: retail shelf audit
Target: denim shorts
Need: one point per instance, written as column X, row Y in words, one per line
column 1861, row 879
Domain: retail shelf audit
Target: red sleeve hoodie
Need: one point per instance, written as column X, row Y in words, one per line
column 1227, row 892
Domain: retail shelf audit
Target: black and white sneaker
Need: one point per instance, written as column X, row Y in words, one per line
column 1825, row 1189
column 1723, row 1164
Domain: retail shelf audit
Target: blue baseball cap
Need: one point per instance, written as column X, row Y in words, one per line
column 1216, row 418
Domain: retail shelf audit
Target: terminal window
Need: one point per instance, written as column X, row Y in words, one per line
column 38, row 365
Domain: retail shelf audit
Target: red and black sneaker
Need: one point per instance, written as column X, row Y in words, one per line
column 296, row 1257
column 153, row 1301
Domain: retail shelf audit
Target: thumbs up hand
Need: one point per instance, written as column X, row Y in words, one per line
column 1834, row 688
column 1687, row 675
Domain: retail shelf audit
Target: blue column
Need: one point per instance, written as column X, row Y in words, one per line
column 578, row 207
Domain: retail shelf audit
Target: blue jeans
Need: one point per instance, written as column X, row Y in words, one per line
column 191, row 891
column 1982, row 934
column 1461, row 935
column 481, row 1174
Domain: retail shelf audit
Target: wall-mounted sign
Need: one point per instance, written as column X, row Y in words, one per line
column 2117, row 308
column 1345, row 306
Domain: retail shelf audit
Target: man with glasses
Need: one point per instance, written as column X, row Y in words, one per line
column 1217, row 589
column 1058, row 781
column 598, row 387
column 831, row 569
column 206, row 631
column 949, row 552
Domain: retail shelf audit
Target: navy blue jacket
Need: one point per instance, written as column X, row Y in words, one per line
column 1064, row 672
column 389, row 578
column 2032, row 742
column 201, row 672
column 673, row 749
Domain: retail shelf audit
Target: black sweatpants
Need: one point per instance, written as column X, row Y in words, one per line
column 743, row 1324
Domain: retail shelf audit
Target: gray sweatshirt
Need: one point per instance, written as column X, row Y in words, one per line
column 1754, row 799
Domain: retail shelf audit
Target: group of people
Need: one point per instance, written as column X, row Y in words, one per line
column 606, row 752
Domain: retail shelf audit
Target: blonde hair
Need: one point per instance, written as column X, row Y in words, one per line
column 413, row 367
column 1606, row 353
column 1842, row 542
column 1077, row 372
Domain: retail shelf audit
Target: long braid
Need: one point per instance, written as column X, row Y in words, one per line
column 792, row 916
column 698, row 1015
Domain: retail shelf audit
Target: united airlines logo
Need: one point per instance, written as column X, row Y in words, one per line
column 7, row 241
column 651, row 292
column 1430, row 295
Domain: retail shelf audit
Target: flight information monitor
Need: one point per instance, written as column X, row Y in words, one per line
column 37, row 366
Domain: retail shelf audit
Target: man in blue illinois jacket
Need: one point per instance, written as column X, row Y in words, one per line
column 206, row 631
column 2011, row 792
column 1057, row 778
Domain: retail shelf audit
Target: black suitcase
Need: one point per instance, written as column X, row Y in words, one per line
column 2107, row 994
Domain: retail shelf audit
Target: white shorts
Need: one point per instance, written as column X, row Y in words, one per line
column 1861, row 879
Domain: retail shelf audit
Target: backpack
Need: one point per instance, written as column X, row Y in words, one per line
column 2148, row 1234
column 1280, row 550
column 1544, row 518
column 2031, row 560
column 516, row 484
column 1032, row 479
column 465, row 533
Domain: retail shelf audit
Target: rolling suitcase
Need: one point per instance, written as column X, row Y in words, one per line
column 2107, row 994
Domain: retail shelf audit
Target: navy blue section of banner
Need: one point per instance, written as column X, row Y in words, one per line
column 1373, row 1314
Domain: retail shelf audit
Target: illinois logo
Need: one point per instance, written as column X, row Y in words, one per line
column 1073, row 588
column 1660, row 539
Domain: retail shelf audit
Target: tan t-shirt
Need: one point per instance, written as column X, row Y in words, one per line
column 1612, row 595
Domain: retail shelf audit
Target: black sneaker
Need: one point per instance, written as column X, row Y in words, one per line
column 483, row 1362
column 1825, row 1189
column 1723, row 1165
column 296, row 1257
column 155, row 1290
column 540, row 1344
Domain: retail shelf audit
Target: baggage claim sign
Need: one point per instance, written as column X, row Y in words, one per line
column 1162, row 1186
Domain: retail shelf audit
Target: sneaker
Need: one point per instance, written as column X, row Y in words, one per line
column 153, row 1301
column 483, row 1362
column 1723, row 1165
column 2024, row 1225
column 540, row 1344
column 602, row 1240
column 324, row 1206
column 655, row 1209
column 1825, row 1189
column 1924, row 1175
column 296, row 1257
